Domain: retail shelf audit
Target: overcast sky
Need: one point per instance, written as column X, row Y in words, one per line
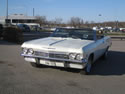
column 88, row 10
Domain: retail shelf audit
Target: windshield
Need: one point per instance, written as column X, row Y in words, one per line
column 74, row 33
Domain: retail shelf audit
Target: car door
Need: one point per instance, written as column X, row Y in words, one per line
column 100, row 46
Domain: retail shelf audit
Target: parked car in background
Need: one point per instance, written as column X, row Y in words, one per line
column 1, row 30
column 69, row 48
column 12, row 34
column 116, row 29
column 24, row 27
column 123, row 30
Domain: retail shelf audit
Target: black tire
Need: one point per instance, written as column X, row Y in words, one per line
column 105, row 55
column 87, row 69
column 35, row 65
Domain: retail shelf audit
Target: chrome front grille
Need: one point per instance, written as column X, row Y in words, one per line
column 43, row 54
column 51, row 55
column 62, row 56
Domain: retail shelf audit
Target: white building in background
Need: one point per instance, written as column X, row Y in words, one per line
column 16, row 19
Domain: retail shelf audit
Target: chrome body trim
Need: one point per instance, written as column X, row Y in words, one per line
column 51, row 54
column 58, row 59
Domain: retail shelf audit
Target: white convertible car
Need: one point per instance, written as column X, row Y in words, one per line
column 69, row 48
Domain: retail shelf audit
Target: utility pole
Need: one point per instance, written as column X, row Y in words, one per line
column 33, row 12
column 7, row 13
column 116, row 24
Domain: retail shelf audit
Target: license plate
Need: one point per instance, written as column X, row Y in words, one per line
column 50, row 63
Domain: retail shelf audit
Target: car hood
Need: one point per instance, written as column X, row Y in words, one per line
column 57, row 44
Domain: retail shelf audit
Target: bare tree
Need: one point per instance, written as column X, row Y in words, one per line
column 76, row 22
column 58, row 21
column 87, row 24
column 41, row 20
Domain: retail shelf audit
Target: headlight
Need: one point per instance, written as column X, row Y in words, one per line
column 79, row 56
column 72, row 56
column 30, row 51
column 25, row 50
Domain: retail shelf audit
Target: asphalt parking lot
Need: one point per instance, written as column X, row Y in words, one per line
column 19, row 77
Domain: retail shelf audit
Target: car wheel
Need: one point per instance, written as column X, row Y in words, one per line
column 105, row 55
column 35, row 64
column 88, row 67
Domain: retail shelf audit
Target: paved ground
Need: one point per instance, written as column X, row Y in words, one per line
column 19, row 77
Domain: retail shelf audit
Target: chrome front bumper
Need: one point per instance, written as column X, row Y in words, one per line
column 59, row 62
